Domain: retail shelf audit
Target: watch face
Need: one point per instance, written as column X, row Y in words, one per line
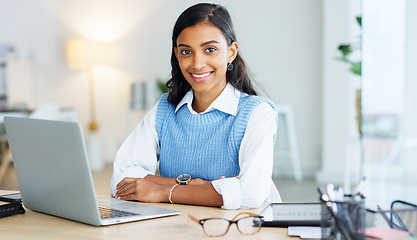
column 184, row 178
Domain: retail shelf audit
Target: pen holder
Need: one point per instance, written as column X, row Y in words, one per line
column 343, row 219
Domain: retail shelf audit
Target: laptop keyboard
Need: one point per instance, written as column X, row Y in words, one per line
column 106, row 212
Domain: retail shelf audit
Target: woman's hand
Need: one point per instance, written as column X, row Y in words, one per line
column 141, row 190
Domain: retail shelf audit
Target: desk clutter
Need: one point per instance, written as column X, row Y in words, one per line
column 344, row 216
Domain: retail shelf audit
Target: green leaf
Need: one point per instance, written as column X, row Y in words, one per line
column 162, row 86
column 345, row 49
column 359, row 20
column 356, row 68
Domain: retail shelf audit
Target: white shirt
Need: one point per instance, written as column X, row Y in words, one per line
column 137, row 157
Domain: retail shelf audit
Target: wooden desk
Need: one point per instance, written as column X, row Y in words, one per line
column 34, row 225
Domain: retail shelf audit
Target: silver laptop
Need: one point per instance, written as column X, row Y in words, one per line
column 53, row 172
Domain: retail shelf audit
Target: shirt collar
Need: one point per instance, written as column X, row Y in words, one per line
column 226, row 102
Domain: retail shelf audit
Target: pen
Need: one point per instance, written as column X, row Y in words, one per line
column 332, row 196
column 359, row 188
column 382, row 212
column 344, row 209
column 330, row 192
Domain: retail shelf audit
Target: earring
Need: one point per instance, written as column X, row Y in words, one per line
column 230, row 66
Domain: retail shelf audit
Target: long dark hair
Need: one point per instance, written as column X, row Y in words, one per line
column 219, row 17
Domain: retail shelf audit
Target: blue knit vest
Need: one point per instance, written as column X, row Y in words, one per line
column 205, row 145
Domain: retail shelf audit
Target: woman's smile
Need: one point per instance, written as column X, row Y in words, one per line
column 201, row 77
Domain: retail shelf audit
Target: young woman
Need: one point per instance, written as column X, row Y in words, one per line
column 212, row 136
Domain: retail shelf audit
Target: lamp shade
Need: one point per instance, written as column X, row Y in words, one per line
column 82, row 53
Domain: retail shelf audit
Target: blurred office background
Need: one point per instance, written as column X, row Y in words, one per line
column 291, row 48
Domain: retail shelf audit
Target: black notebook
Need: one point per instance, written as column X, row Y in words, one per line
column 11, row 204
column 292, row 214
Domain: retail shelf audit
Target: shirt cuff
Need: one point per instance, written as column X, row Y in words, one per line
column 230, row 190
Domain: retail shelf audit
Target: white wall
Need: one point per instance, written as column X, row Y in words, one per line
column 340, row 138
column 280, row 40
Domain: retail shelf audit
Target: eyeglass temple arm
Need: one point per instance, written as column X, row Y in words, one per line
column 242, row 213
column 193, row 218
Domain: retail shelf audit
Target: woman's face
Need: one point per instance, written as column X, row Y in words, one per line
column 203, row 54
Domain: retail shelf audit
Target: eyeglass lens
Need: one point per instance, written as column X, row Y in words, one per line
column 219, row 227
column 216, row 227
column 249, row 225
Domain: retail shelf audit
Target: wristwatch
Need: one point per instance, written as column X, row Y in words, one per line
column 183, row 179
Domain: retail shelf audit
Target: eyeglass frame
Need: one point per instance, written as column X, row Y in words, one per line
column 233, row 221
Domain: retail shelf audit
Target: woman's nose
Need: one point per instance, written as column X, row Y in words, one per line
column 199, row 61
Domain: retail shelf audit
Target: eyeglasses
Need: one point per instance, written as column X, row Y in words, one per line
column 217, row 227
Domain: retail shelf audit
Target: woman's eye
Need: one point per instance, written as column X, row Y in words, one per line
column 210, row 49
column 185, row 52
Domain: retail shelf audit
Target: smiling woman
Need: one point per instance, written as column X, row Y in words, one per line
column 211, row 126
column 204, row 63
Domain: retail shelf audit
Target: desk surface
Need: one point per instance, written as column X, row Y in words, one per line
column 34, row 225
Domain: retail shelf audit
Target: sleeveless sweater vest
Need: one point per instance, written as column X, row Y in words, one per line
column 205, row 145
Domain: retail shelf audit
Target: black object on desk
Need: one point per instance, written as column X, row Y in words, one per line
column 11, row 197
column 292, row 214
column 11, row 204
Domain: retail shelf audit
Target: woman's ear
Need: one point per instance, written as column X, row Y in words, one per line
column 233, row 49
